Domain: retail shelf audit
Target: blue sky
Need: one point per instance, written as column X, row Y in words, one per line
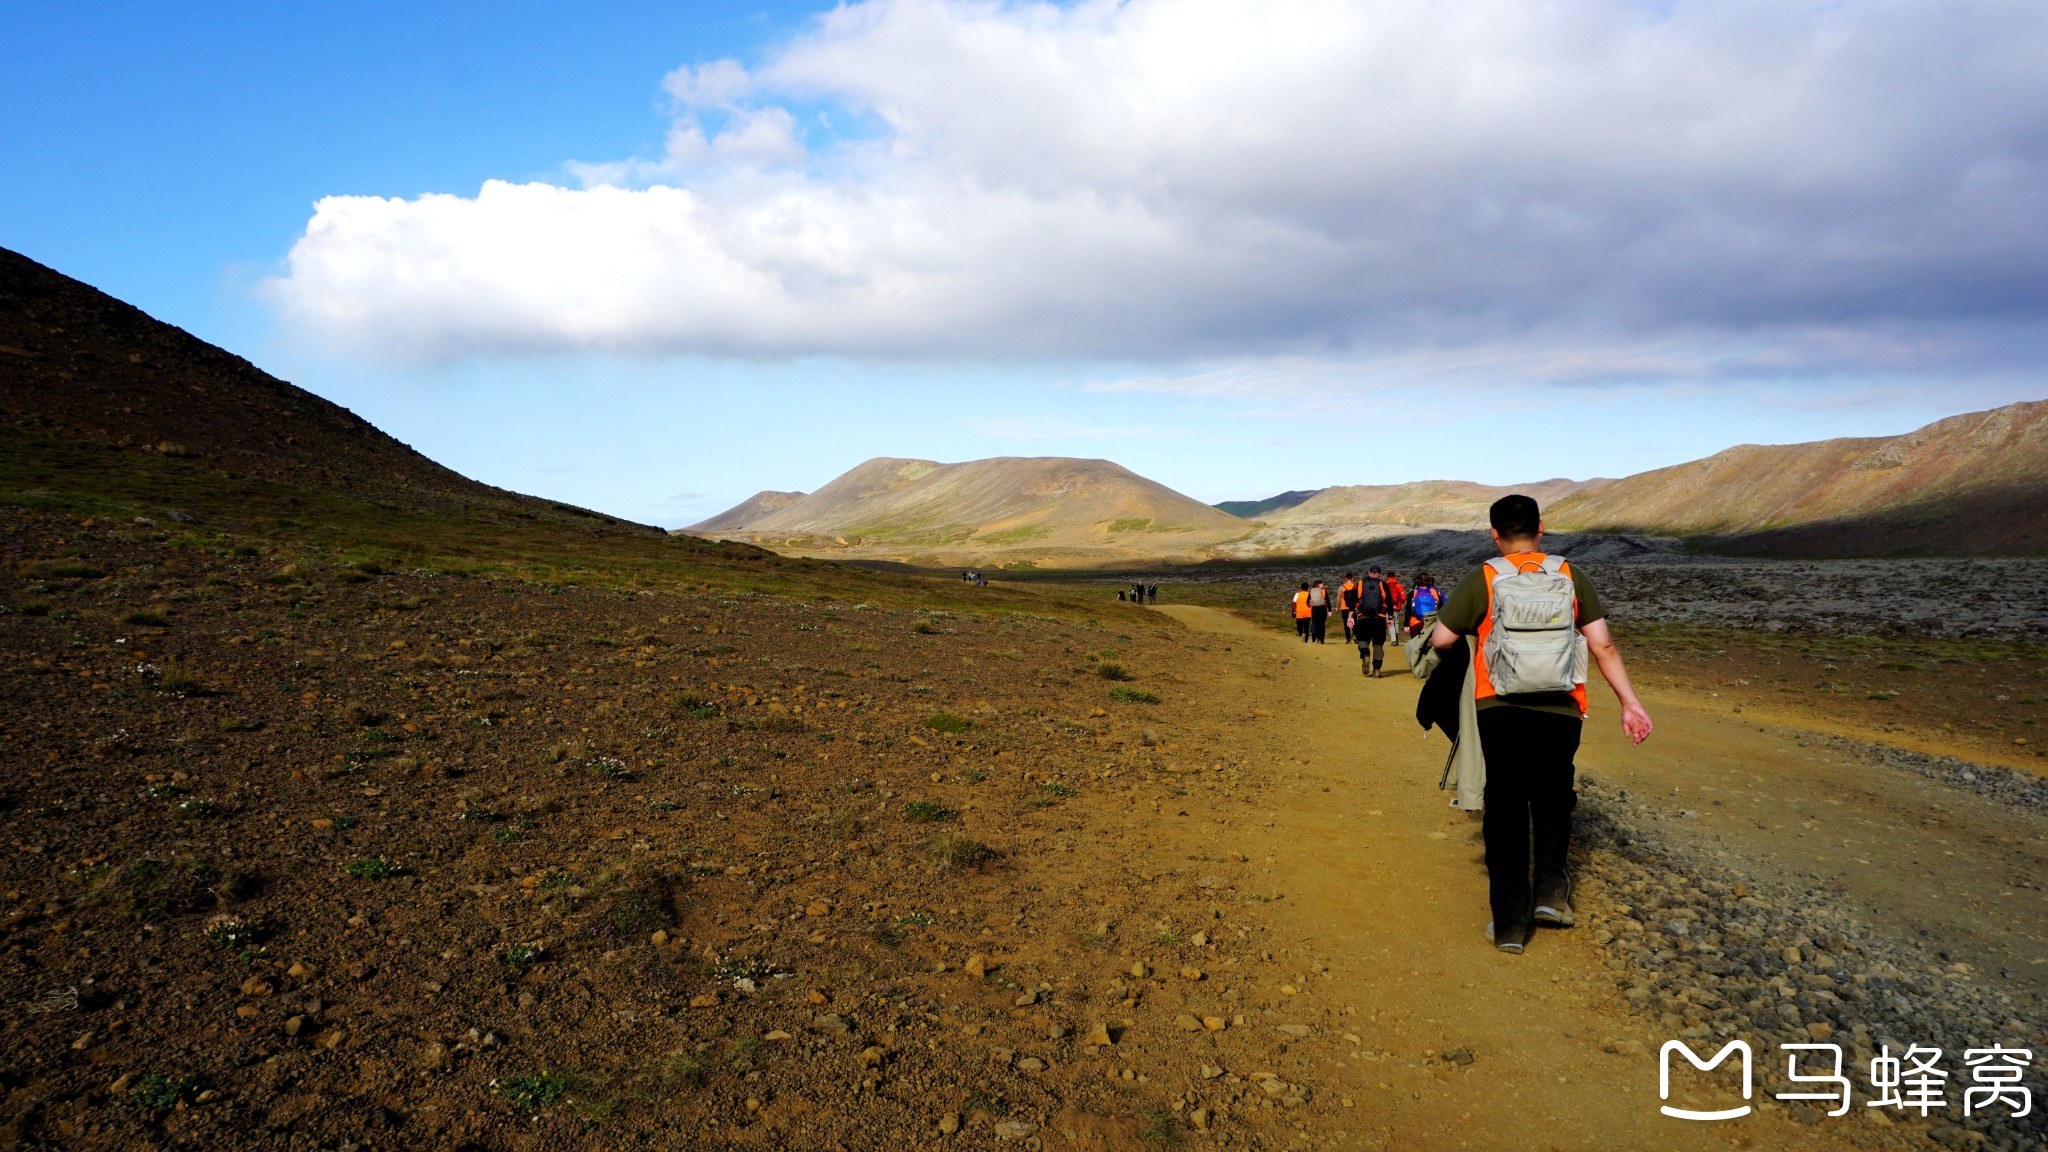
column 652, row 258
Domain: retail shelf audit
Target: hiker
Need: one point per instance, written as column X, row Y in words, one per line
column 1151, row 593
column 1397, row 606
column 1121, row 595
column 1301, row 612
column 1318, row 612
column 1369, row 623
column 1347, row 602
column 1423, row 603
column 1534, row 621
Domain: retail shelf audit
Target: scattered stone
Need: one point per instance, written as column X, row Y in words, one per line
column 976, row 966
column 1139, row 970
column 1014, row 1129
column 1056, row 1032
column 1211, row 1071
column 1460, row 1055
column 1190, row 973
column 255, row 986
column 1098, row 1037
column 1215, row 1023
column 871, row 1056
column 432, row 1057
column 1031, row 1064
column 300, row 970
column 777, row 1034
column 248, row 1011
column 834, row 1023
column 1026, row 998
column 293, row 1025
column 660, row 938
column 949, row 1123
column 1187, row 1023
column 1293, row 1031
column 1201, row 940
column 122, row 1083
column 1201, row 1119
column 704, row 1000
column 817, row 998
column 818, row 908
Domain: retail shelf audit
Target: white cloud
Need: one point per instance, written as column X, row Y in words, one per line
column 1570, row 190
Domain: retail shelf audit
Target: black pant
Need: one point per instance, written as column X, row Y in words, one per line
column 1318, row 617
column 1301, row 628
column 1528, row 783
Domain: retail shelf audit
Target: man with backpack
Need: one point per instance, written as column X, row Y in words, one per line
column 1301, row 612
column 1319, row 612
column 1347, row 602
column 1424, row 602
column 1369, row 623
column 1535, row 621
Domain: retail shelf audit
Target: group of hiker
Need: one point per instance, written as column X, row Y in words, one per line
column 1139, row 593
column 1505, row 657
column 1370, row 607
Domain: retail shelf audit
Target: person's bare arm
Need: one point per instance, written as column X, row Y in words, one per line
column 1600, row 643
column 1442, row 637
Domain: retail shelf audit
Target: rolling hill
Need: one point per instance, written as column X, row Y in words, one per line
column 1259, row 509
column 1037, row 510
column 1970, row 484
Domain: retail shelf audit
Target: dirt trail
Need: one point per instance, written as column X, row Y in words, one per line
column 1382, row 882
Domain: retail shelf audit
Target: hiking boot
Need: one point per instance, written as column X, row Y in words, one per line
column 1512, row 938
column 1554, row 904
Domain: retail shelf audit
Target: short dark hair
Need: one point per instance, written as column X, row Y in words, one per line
column 1371, row 570
column 1517, row 517
column 1304, row 585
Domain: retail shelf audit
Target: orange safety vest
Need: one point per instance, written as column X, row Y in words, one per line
column 1523, row 561
column 1301, row 608
column 1345, row 593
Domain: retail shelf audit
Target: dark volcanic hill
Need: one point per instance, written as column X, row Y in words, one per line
column 1253, row 509
column 77, row 364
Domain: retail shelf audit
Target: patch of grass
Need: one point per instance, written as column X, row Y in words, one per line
column 1111, row 670
column 542, row 1089
column 158, row 1091
column 927, row 628
column 521, row 955
column 638, row 912
column 368, row 868
column 508, row 835
column 177, row 681
column 948, row 722
column 609, row 768
column 1884, row 695
column 928, row 812
column 145, row 618
column 34, row 608
column 197, row 809
column 1130, row 695
column 950, row 850
column 1160, row 1126
column 230, row 932
column 1059, row 790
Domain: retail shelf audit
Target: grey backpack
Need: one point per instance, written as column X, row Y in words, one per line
column 1534, row 645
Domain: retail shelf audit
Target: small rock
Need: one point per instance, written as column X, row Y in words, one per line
column 704, row 1000
column 1201, row 940
column 1139, row 971
column 818, row 998
column 949, row 1123
column 659, row 938
column 206, row 1097
column 1056, row 1032
column 976, row 966
column 1014, row 1129
column 247, row 1011
column 818, row 908
column 292, row 1026
column 1211, row 1071
column 1031, row 1064
column 330, row 1039
column 1459, row 1055
column 1190, row 973
column 753, row 1103
column 871, row 1057
column 1026, row 998
column 834, row 1023
column 255, row 986
column 528, row 1000
column 1201, row 1118
column 1096, row 713
column 1187, row 1023
column 777, row 1034
column 300, row 970
column 1098, row 1037
column 1792, row 955
column 1293, row 1031
column 432, row 1057
column 1215, row 1023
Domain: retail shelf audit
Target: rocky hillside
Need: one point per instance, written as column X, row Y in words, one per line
column 1036, row 510
column 1258, row 509
column 752, row 510
column 1968, row 484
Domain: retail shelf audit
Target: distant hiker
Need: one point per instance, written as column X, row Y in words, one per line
column 1138, row 593
column 1347, row 602
column 1423, row 603
column 1151, row 593
column 1302, row 614
column 1369, row 623
column 1397, row 604
column 1121, row 595
column 1535, row 620
column 1318, row 612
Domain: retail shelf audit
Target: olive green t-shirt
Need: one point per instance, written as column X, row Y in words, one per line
column 1466, row 609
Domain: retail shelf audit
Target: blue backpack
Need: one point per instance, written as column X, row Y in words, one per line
column 1425, row 602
